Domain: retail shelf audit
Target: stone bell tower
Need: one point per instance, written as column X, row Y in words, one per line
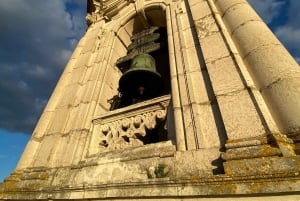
column 168, row 100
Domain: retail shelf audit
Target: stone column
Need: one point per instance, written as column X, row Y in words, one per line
column 274, row 71
column 180, row 139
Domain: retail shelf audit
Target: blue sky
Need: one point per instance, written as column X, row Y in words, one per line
column 36, row 40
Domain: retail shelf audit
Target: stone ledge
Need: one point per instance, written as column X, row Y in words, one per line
column 160, row 149
column 264, row 165
column 259, row 185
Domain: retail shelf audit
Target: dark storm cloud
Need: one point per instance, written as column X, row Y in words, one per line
column 36, row 40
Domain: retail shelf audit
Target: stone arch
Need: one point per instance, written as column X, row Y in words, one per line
column 153, row 14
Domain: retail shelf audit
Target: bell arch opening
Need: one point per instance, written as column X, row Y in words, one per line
column 148, row 120
column 145, row 64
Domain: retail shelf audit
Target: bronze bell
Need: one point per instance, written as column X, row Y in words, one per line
column 141, row 81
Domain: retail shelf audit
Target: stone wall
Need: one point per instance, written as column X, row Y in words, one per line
column 231, row 114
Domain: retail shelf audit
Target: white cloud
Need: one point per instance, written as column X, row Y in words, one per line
column 267, row 9
column 290, row 36
column 36, row 40
column 294, row 14
column 288, row 30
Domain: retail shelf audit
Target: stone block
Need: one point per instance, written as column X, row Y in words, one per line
column 240, row 116
column 191, row 131
column 28, row 154
column 90, row 45
column 129, row 27
column 76, row 52
column 100, row 109
column 88, row 90
column 76, row 194
column 124, row 35
column 75, row 123
column 265, row 111
column 225, row 76
column 190, row 38
column 184, row 23
column 114, row 56
column 267, row 67
column 107, row 92
column 77, row 75
column 265, row 165
column 244, row 37
column 213, row 47
column 211, row 126
column 192, row 59
column 198, row 91
column 92, row 59
column 112, row 77
column 69, row 95
column 195, row 138
column 82, row 60
column 92, row 32
column 44, row 155
column 206, row 26
column 59, row 120
column 223, row 6
column 287, row 93
column 92, row 73
column 250, row 152
column 81, row 144
column 115, row 172
column 202, row 163
column 65, row 153
column 42, row 124
column 85, row 93
column 197, row 6
column 238, row 15
column 99, row 193
column 101, row 55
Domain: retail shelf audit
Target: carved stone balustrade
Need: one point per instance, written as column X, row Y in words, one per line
column 127, row 127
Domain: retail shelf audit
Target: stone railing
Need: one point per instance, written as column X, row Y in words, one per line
column 127, row 126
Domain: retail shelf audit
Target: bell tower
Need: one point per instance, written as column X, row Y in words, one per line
column 168, row 100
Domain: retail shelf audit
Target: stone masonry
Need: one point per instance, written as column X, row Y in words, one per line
column 226, row 127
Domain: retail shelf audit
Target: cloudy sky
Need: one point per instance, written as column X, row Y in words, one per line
column 37, row 38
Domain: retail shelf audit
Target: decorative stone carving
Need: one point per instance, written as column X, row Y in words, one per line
column 127, row 127
column 206, row 26
column 104, row 9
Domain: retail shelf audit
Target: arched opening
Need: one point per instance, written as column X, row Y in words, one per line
column 142, row 122
column 143, row 34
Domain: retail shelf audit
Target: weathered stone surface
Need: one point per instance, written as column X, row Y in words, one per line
column 240, row 116
column 213, row 47
column 206, row 26
column 225, row 76
column 263, row 166
column 225, row 130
